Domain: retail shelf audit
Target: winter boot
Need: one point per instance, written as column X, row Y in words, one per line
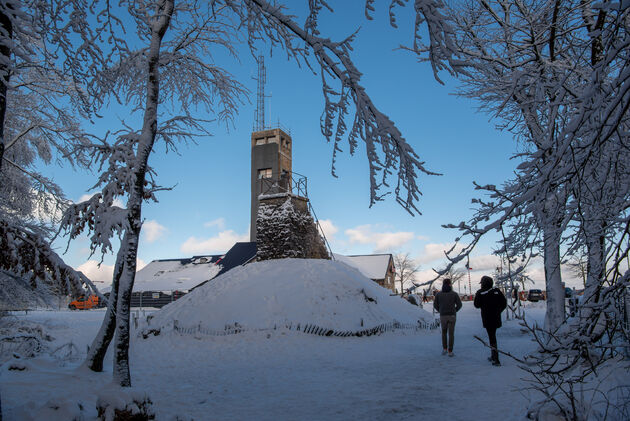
column 495, row 355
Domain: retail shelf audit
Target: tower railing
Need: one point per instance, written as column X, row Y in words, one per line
column 294, row 184
column 284, row 183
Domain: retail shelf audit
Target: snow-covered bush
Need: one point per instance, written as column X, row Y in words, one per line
column 581, row 371
column 124, row 405
column 19, row 339
column 284, row 231
column 53, row 409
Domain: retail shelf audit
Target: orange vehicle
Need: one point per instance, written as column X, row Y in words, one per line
column 83, row 303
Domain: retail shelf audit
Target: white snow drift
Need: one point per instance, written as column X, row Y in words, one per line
column 262, row 295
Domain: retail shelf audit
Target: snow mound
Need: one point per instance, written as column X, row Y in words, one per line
column 278, row 293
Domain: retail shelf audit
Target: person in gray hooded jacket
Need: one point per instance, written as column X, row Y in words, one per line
column 447, row 303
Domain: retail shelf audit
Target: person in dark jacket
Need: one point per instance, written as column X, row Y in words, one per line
column 514, row 295
column 492, row 302
column 447, row 303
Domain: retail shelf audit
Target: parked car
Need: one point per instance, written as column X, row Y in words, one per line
column 535, row 295
column 84, row 303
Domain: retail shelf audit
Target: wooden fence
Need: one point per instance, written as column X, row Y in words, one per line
column 308, row 328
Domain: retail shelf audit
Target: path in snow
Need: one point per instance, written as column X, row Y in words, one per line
column 294, row 375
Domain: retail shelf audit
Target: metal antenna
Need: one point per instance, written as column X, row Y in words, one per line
column 259, row 123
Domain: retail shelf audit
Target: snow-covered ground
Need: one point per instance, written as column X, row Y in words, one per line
column 278, row 374
column 288, row 375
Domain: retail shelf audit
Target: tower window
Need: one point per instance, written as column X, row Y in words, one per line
column 264, row 173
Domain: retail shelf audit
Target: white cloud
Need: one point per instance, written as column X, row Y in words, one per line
column 117, row 201
column 219, row 223
column 152, row 230
column 424, row 276
column 84, row 197
column 328, row 228
column 218, row 244
column 487, row 263
column 100, row 275
column 382, row 241
column 435, row 251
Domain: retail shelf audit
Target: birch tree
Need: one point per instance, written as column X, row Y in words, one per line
column 145, row 78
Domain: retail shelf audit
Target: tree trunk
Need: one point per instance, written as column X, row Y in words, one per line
column 594, row 324
column 96, row 353
column 594, row 232
column 122, row 374
column 147, row 137
column 5, row 71
column 554, row 315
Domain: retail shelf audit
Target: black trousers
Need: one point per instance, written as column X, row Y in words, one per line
column 492, row 338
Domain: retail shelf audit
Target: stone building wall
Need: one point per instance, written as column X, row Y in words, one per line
column 285, row 228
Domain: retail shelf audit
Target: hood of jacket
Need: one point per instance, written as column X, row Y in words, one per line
column 486, row 283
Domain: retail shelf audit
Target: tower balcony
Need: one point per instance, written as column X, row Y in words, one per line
column 278, row 185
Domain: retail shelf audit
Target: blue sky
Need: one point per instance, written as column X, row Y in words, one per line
column 208, row 209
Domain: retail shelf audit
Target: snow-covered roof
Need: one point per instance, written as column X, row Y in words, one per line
column 240, row 254
column 373, row 266
column 176, row 274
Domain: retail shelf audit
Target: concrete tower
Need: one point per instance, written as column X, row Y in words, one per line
column 271, row 168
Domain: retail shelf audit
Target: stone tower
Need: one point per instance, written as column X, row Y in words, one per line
column 271, row 168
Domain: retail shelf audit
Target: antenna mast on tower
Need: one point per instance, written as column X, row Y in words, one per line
column 259, row 121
